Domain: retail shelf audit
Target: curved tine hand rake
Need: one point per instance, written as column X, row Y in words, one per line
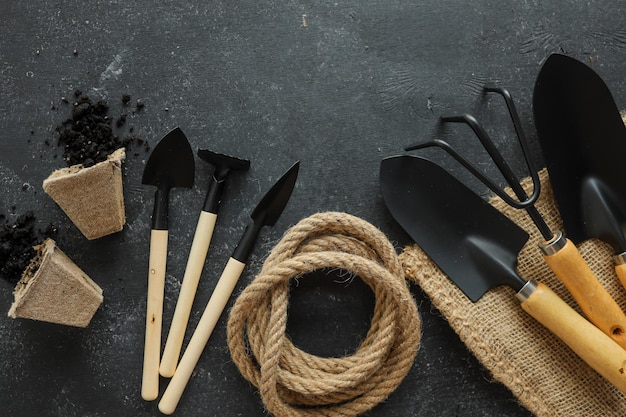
column 523, row 202
column 559, row 253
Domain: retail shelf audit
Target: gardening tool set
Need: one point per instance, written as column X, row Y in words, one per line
column 171, row 164
column 476, row 246
column 583, row 139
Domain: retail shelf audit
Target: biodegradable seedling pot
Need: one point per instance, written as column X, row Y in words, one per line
column 55, row 289
column 91, row 197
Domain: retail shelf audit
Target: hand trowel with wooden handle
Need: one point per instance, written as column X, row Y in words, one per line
column 583, row 141
column 266, row 213
column 197, row 255
column 171, row 164
column 559, row 253
column 476, row 246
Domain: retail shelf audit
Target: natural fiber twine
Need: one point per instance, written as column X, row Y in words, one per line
column 295, row 383
column 542, row 372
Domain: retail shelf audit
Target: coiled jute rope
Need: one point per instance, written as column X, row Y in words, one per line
column 295, row 383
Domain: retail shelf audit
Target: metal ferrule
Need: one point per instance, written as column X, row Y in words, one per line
column 553, row 245
column 620, row 258
column 526, row 291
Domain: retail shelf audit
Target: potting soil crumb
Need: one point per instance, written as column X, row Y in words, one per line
column 17, row 240
column 88, row 137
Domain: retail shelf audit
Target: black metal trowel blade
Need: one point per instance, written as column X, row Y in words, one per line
column 171, row 164
column 271, row 206
column 473, row 243
column 267, row 211
column 583, row 140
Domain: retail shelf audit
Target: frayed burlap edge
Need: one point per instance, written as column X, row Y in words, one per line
column 543, row 373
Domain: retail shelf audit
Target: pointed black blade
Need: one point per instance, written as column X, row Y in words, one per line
column 267, row 212
column 474, row 244
column 583, row 141
column 271, row 206
column 171, row 163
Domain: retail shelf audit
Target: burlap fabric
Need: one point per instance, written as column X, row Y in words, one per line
column 540, row 370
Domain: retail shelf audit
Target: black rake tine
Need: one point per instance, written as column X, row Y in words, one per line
column 517, row 125
column 523, row 200
column 498, row 159
column 522, row 204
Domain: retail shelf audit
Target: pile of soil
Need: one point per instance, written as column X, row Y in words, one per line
column 88, row 136
column 17, row 240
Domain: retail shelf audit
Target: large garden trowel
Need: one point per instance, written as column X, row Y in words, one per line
column 583, row 140
column 476, row 246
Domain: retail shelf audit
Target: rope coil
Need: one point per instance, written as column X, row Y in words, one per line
column 294, row 383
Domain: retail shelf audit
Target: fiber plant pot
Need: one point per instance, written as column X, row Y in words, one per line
column 54, row 289
column 91, row 197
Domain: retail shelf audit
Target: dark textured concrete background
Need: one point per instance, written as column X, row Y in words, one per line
column 336, row 85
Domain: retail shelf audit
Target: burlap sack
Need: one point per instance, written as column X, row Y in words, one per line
column 540, row 370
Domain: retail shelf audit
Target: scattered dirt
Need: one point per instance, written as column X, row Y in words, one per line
column 88, row 136
column 16, row 244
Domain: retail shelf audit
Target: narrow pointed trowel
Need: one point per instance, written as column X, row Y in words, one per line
column 171, row 164
column 476, row 246
column 583, row 140
column 266, row 213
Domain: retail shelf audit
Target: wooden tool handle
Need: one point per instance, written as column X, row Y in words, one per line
column 193, row 271
column 620, row 270
column 594, row 300
column 594, row 347
column 212, row 312
column 154, row 314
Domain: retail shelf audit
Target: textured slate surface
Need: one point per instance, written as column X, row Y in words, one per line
column 336, row 85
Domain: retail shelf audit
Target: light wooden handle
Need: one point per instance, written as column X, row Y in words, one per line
column 193, row 271
column 594, row 300
column 620, row 270
column 593, row 346
column 212, row 312
column 154, row 314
